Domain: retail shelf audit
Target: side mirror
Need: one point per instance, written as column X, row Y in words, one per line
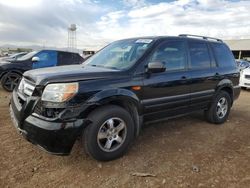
column 35, row 59
column 156, row 67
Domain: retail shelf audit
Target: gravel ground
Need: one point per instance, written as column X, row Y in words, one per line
column 184, row 152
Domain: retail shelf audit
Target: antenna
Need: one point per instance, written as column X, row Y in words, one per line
column 72, row 37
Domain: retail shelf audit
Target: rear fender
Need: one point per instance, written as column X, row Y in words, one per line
column 228, row 85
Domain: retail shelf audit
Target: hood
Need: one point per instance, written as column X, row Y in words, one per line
column 246, row 71
column 68, row 73
column 4, row 62
column 7, row 61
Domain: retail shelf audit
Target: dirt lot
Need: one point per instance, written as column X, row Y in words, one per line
column 169, row 150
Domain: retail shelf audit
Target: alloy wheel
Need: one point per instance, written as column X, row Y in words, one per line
column 222, row 107
column 112, row 134
column 11, row 81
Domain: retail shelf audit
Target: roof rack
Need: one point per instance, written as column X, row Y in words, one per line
column 198, row 36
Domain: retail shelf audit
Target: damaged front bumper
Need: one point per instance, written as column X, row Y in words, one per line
column 54, row 135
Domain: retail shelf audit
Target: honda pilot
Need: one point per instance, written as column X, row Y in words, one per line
column 106, row 100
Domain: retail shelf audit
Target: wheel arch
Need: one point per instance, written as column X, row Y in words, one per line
column 120, row 97
column 227, row 86
column 9, row 71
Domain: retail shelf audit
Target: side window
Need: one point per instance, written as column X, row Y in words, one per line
column 172, row 54
column 80, row 59
column 199, row 55
column 223, row 55
column 47, row 59
column 65, row 58
column 43, row 56
column 77, row 59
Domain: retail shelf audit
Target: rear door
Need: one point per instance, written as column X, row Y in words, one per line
column 204, row 73
column 47, row 58
column 167, row 93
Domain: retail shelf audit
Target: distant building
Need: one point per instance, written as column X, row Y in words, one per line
column 87, row 53
column 240, row 48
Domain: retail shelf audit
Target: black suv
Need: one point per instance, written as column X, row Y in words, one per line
column 106, row 100
column 11, row 71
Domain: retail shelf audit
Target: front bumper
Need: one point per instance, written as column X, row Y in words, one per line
column 53, row 135
column 244, row 82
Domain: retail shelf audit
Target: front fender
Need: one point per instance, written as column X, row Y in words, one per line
column 124, row 96
column 115, row 94
column 10, row 70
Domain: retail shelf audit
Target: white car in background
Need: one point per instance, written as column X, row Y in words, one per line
column 242, row 64
column 244, row 68
column 245, row 78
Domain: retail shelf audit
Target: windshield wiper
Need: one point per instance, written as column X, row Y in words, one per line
column 93, row 65
column 110, row 67
column 102, row 66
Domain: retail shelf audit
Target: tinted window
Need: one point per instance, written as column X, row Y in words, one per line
column 44, row 56
column 77, row 58
column 65, row 58
column 46, row 59
column 199, row 55
column 223, row 55
column 172, row 54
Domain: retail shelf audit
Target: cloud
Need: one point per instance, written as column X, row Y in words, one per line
column 46, row 21
column 134, row 3
column 224, row 19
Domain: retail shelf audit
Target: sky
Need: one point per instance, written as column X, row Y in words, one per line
column 45, row 22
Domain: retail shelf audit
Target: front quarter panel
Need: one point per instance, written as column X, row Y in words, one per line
column 19, row 67
column 95, row 92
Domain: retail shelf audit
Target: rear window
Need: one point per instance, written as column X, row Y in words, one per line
column 199, row 55
column 223, row 55
column 65, row 58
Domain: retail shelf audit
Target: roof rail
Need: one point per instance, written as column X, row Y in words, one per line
column 198, row 36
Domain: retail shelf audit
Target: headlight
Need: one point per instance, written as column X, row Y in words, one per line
column 59, row 92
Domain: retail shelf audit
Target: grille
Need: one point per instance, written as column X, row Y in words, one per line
column 247, row 76
column 26, row 87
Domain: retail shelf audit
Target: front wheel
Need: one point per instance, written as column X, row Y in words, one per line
column 10, row 80
column 220, row 108
column 110, row 133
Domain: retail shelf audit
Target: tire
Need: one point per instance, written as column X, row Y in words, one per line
column 215, row 114
column 10, row 80
column 100, row 140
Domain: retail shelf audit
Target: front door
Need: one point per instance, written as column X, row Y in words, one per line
column 167, row 93
column 47, row 58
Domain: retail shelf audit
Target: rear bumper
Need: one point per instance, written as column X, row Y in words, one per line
column 54, row 136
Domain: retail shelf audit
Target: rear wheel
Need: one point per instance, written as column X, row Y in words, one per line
column 219, row 109
column 10, row 80
column 110, row 133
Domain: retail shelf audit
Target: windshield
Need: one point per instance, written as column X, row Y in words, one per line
column 120, row 55
column 13, row 56
column 27, row 56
